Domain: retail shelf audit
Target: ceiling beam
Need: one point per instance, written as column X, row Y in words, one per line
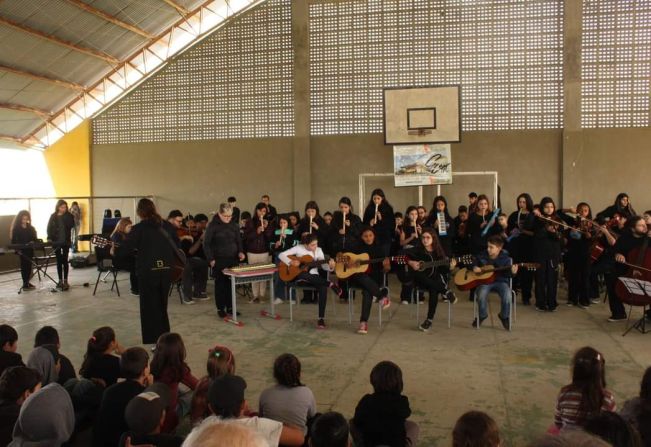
column 109, row 18
column 64, row 43
column 38, row 77
column 21, row 108
column 21, row 142
column 178, row 7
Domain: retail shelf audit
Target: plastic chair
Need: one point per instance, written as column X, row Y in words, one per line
column 513, row 312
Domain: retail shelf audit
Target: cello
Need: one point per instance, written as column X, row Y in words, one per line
column 634, row 288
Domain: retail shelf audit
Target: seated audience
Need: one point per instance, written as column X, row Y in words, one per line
column 570, row 438
column 17, row 383
column 226, row 400
column 587, row 395
column 381, row 417
column 145, row 415
column 100, row 363
column 614, row 429
column 637, row 411
column 330, row 430
column 475, row 428
column 8, row 347
column 46, row 418
column 47, row 335
column 224, row 435
column 220, row 362
column 168, row 366
column 110, row 422
column 289, row 402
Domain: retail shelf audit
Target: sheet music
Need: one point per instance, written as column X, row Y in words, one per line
column 636, row 286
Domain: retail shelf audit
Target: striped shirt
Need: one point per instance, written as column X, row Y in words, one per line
column 567, row 408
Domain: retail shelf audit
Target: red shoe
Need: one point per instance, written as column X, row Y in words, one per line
column 363, row 328
column 385, row 303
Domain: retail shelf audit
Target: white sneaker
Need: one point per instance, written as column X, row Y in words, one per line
column 278, row 301
column 405, row 302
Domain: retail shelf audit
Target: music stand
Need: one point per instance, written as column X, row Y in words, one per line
column 640, row 288
column 38, row 267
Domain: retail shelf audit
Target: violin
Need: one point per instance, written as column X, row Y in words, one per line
column 182, row 232
column 554, row 222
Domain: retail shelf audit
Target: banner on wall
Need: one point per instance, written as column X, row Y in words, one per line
column 422, row 164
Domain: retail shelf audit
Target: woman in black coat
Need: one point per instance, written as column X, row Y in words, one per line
column 59, row 229
column 222, row 245
column 156, row 255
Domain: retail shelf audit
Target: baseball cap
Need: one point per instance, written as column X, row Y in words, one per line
column 226, row 392
column 144, row 412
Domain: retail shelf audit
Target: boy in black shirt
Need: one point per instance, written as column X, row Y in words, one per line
column 9, row 342
column 110, row 422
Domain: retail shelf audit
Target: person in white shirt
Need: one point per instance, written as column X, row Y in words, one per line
column 310, row 247
column 227, row 403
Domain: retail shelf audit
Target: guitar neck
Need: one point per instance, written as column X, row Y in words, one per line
column 376, row 260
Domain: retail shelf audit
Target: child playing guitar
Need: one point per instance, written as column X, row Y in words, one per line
column 310, row 247
column 429, row 250
column 371, row 281
column 495, row 255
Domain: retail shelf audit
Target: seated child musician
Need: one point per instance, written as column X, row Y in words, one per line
column 496, row 256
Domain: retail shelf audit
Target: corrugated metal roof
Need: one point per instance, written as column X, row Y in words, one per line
column 53, row 50
column 36, row 55
column 17, row 123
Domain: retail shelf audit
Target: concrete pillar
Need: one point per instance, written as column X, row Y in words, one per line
column 301, row 168
column 572, row 146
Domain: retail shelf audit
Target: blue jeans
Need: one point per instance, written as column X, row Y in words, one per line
column 502, row 289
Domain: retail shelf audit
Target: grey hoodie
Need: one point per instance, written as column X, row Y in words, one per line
column 43, row 360
column 46, row 419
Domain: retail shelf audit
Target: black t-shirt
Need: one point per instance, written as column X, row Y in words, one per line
column 105, row 367
column 9, row 359
column 110, row 423
column 380, row 419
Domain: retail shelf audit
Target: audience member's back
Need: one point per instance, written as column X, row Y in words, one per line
column 289, row 402
column 637, row 411
column 224, row 435
column 475, row 428
column 380, row 417
column 614, row 429
column 8, row 347
column 46, row 419
column 330, row 430
column 17, row 383
column 110, row 422
column 47, row 335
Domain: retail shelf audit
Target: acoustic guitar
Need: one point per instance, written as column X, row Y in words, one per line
column 466, row 279
column 178, row 263
column 406, row 275
column 349, row 264
column 288, row 273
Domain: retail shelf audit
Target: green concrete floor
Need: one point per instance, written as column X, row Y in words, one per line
column 513, row 376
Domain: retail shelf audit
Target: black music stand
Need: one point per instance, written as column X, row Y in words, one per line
column 37, row 266
column 642, row 288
